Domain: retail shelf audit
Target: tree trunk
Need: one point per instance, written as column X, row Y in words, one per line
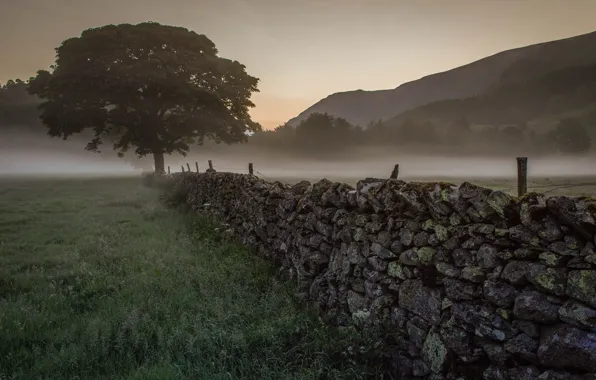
column 159, row 163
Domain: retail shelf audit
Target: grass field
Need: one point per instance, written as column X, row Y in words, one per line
column 98, row 280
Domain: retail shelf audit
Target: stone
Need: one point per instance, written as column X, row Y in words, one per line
column 501, row 232
column 534, row 306
column 523, row 346
column 581, row 285
column 529, row 328
column 526, row 253
column 494, row 373
column 460, row 290
column 421, row 239
column 579, row 263
column 419, row 368
column 395, row 269
column 406, row 236
column 522, row 234
column 563, row 249
column 447, row 269
column 433, row 241
column 434, row 352
column 398, row 317
column 487, row 256
column 505, row 255
column 482, row 228
column 482, row 320
column 377, row 264
column 563, row 346
column 463, row 257
column 409, row 257
column 516, row 272
column 356, row 301
column 552, row 280
column 473, row 274
column 403, row 366
column 523, row 373
column 415, row 334
column 459, row 342
column 552, row 259
column 588, row 249
column 499, row 293
column 359, row 234
column 579, row 315
column 560, row 375
column 396, row 247
column 550, row 230
column 426, row 254
column 383, row 253
column 442, row 233
column 421, row 300
column 496, row 353
column 572, row 214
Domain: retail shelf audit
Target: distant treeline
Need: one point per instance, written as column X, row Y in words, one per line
column 322, row 134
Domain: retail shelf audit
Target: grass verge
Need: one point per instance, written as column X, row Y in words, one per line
column 98, row 280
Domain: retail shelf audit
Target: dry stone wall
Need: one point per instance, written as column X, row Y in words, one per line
column 467, row 282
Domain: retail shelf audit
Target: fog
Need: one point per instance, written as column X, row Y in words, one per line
column 51, row 163
column 54, row 157
column 55, row 163
column 411, row 167
column 23, row 154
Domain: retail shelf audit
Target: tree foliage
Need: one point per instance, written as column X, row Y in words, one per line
column 155, row 88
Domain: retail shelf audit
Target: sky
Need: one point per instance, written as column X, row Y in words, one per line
column 305, row 50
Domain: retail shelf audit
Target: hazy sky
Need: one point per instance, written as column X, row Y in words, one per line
column 304, row 50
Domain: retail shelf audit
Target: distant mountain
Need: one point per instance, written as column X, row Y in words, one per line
column 488, row 74
column 565, row 92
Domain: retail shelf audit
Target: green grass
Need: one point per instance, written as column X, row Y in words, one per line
column 98, row 280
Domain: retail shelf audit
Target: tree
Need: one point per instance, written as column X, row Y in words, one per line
column 570, row 136
column 321, row 133
column 155, row 88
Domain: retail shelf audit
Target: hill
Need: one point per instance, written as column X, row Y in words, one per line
column 490, row 73
column 562, row 93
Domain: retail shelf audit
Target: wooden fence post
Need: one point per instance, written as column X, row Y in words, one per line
column 197, row 165
column 188, row 166
column 395, row 172
column 210, row 165
column 522, row 176
column 250, row 169
column 168, row 169
column 182, row 166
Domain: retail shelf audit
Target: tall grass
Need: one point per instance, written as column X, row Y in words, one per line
column 99, row 280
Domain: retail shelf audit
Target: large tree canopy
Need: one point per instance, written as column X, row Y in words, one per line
column 155, row 88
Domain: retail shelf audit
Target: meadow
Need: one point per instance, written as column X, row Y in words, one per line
column 100, row 280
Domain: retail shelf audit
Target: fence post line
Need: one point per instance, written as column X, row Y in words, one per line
column 522, row 176
column 250, row 168
column 197, row 165
column 210, row 165
column 395, row 172
column 188, row 166
column 182, row 166
column 168, row 169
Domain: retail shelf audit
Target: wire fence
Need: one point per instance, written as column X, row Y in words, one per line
column 522, row 186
